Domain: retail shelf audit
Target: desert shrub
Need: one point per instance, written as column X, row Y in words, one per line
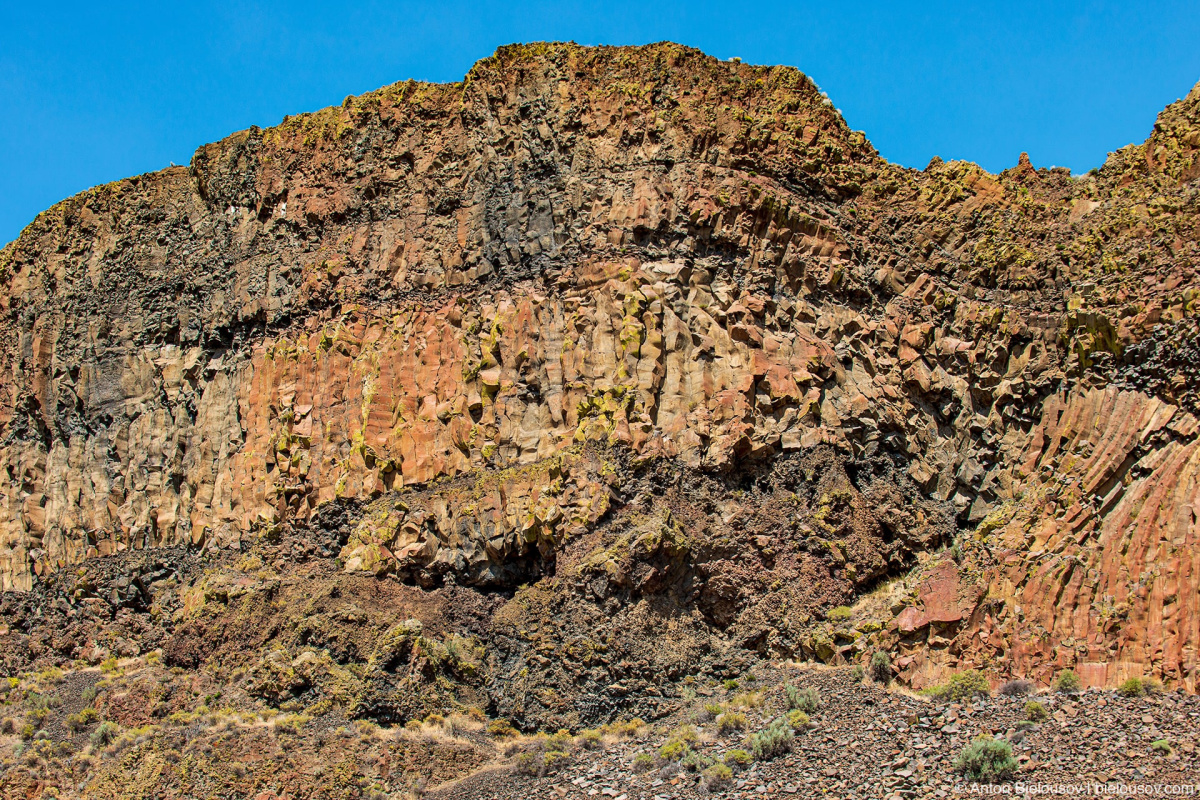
column 40, row 704
column 1025, row 725
column 530, row 763
column 686, row 733
column 1068, row 682
column 104, row 734
column 746, row 700
column 797, row 719
column 623, row 729
column 1131, row 688
column 459, row 724
column 501, row 729
column 292, row 723
column 960, row 686
column 695, row 762
column 738, row 758
column 673, row 750
column 986, row 759
column 1017, row 688
column 731, row 721
column 181, row 717
column 560, row 742
column 1035, row 711
column 839, row 614
column 731, row 685
column 678, row 744
column 555, row 760
column 718, row 776
column 50, row 675
column 881, row 667
column 643, row 762
column 154, row 658
column 773, row 740
column 590, row 738
column 1151, row 685
column 805, row 699
column 109, row 665
column 857, row 673
column 8, row 726
column 89, row 694
column 435, row 720
column 1162, row 747
column 78, row 721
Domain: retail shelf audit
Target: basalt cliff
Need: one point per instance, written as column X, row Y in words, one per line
column 600, row 372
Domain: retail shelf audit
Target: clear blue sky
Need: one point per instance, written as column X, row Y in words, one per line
column 93, row 94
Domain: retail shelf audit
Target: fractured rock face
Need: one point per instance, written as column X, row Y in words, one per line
column 484, row 534
column 434, row 302
column 1101, row 555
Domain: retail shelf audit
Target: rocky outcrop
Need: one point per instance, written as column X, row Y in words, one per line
column 1090, row 567
column 498, row 317
column 148, row 408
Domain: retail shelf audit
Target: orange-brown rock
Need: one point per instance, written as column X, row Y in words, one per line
column 427, row 304
column 1090, row 566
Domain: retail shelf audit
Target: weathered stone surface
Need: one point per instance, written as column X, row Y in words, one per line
column 426, row 304
column 1100, row 557
column 1089, row 567
column 941, row 599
